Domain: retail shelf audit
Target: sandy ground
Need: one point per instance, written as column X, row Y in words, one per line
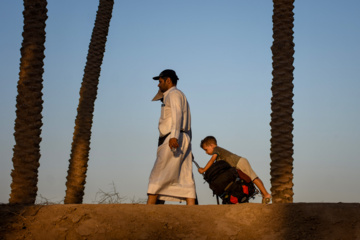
column 138, row 221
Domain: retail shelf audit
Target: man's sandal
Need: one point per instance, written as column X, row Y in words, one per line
column 266, row 200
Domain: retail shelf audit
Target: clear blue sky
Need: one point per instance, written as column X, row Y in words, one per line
column 221, row 52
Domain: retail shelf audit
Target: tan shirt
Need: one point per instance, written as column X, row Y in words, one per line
column 229, row 157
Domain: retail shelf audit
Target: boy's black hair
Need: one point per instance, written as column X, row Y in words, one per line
column 208, row 140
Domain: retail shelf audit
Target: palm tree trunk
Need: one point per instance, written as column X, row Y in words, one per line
column 79, row 157
column 282, row 102
column 29, row 101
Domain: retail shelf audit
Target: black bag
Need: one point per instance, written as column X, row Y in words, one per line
column 225, row 182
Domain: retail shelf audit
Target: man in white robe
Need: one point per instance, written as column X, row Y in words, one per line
column 171, row 178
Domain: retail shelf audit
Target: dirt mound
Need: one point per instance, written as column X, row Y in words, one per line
column 137, row 221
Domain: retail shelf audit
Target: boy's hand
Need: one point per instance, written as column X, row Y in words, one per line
column 201, row 170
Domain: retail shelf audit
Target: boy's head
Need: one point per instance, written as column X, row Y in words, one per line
column 208, row 144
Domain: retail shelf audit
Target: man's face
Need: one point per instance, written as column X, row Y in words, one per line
column 163, row 84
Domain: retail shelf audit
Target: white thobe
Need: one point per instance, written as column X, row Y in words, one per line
column 171, row 177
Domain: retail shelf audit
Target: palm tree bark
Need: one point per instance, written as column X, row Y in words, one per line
column 29, row 101
column 282, row 102
column 79, row 157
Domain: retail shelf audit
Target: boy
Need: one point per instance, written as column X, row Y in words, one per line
column 209, row 144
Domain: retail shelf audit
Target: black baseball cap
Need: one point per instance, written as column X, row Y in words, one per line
column 167, row 73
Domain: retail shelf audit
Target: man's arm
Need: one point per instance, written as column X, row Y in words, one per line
column 176, row 118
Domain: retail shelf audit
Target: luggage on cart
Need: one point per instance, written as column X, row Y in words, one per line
column 230, row 184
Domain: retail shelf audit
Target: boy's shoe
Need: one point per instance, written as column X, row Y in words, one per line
column 266, row 200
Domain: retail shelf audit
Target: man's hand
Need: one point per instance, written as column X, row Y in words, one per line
column 173, row 143
column 201, row 170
